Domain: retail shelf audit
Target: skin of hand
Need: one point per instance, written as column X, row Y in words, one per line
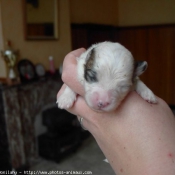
column 138, row 138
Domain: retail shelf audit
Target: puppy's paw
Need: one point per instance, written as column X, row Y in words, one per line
column 66, row 100
column 144, row 91
column 148, row 95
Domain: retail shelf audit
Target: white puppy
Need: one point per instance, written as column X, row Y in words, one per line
column 107, row 72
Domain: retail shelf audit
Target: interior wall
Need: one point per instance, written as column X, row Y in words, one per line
column 114, row 12
column 145, row 12
column 36, row 51
column 94, row 11
column 43, row 14
column 123, row 12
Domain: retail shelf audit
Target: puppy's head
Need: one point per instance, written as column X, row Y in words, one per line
column 109, row 72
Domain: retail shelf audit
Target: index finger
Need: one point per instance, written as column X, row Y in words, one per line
column 69, row 75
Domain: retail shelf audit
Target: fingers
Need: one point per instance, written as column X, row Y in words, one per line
column 92, row 120
column 75, row 109
column 81, row 122
column 69, row 75
column 77, row 52
column 80, row 109
column 70, row 58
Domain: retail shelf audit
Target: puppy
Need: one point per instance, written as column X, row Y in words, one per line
column 107, row 72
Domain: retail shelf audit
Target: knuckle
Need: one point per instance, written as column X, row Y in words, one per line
column 64, row 76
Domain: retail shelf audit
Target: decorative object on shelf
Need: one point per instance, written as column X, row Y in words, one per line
column 52, row 67
column 40, row 70
column 10, row 56
column 26, row 70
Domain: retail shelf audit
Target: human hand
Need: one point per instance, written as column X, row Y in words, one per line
column 136, row 137
column 69, row 72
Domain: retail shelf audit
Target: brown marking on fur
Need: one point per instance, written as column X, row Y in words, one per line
column 90, row 62
column 90, row 74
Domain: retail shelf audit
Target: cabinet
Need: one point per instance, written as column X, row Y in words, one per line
column 19, row 106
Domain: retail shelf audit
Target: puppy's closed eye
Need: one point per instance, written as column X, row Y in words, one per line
column 90, row 76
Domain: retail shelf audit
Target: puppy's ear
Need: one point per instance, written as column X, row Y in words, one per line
column 140, row 67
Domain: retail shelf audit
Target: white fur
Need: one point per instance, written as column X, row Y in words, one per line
column 67, row 99
column 114, row 65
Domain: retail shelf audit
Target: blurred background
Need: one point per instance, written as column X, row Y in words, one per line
column 35, row 36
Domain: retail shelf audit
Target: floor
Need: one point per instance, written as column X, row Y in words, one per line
column 87, row 158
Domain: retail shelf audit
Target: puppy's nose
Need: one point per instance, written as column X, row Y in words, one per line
column 100, row 99
column 102, row 104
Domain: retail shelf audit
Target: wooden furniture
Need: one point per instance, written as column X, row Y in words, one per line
column 19, row 106
column 63, row 135
column 155, row 44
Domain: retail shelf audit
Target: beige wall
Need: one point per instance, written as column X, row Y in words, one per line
column 123, row 12
column 146, row 12
column 43, row 14
column 113, row 12
column 36, row 51
column 94, row 11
